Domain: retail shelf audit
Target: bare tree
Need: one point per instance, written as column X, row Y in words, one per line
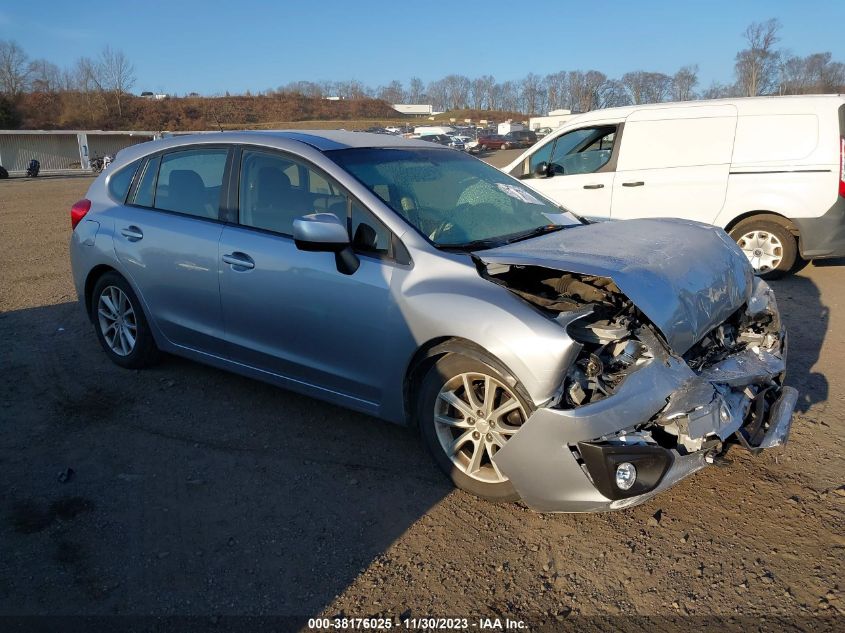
column 816, row 73
column 531, row 89
column 647, row 87
column 718, row 90
column 480, row 91
column 684, row 82
column 757, row 66
column 117, row 75
column 584, row 89
column 392, row 92
column 304, row 88
column 416, row 90
column 557, row 90
column 457, row 91
column 44, row 76
column 613, row 94
column 14, row 71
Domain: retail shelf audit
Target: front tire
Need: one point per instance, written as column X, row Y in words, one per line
column 120, row 323
column 769, row 245
column 467, row 411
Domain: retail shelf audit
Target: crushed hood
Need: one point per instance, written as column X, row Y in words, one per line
column 686, row 277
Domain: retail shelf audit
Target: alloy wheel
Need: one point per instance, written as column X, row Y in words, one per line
column 116, row 316
column 474, row 415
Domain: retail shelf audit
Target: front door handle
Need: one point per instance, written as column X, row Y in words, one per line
column 132, row 233
column 593, row 186
column 239, row 261
column 638, row 183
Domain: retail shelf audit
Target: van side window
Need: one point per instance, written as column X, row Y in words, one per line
column 583, row 151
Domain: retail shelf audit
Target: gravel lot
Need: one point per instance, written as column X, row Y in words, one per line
column 184, row 490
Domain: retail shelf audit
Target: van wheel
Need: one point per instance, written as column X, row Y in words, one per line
column 467, row 411
column 769, row 245
column 505, row 146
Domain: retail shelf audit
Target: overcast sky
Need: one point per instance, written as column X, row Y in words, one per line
column 181, row 46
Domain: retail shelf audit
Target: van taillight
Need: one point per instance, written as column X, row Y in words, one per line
column 842, row 166
column 78, row 211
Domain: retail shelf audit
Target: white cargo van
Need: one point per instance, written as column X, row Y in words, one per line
column 769, row 170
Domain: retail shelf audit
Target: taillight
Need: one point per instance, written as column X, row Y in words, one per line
column 842, row 166
column 78, row 211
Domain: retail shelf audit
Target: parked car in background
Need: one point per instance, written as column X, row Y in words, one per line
column 768, row 170
column 443, row 139
column 526, row 137
column 576, row 366
column 514, row 140
column 492, row 141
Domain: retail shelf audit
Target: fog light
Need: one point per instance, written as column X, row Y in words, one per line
column 626, row 475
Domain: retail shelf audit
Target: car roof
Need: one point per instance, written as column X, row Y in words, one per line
column 325, row 140
column 321, row 140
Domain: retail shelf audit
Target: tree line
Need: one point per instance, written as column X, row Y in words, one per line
column 101, row 85
column 759, row 69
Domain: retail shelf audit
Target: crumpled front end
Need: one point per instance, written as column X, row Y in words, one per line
column 632, row 417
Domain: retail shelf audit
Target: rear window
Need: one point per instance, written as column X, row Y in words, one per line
column 120, row 181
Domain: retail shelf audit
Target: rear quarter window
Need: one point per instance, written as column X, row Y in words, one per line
column 120, row 181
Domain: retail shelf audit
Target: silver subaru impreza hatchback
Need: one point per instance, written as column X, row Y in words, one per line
column 572, row 365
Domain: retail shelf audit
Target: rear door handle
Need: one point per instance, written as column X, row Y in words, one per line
column 593, row 186
column 132, row 233
column 239, row 260
column 638, row 183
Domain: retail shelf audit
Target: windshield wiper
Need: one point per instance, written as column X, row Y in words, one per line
column 540, row 230
column 492, row 242
column 465, row 246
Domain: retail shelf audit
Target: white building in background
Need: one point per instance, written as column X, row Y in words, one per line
column 414, row 109
column 554, row 120
column 509, row 126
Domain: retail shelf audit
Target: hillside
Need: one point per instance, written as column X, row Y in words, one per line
column 69, row 110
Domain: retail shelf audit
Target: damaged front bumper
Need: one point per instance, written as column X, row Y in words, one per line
column 665, row 418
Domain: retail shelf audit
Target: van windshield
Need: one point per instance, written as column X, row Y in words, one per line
column 454, row 200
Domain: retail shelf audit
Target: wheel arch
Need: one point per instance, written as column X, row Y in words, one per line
column 433, row 350
column 764, row 214
column 91, row 280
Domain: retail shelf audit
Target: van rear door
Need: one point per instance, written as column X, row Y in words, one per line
column 674, row 162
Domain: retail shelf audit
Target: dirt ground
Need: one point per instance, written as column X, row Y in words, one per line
column 184, row 490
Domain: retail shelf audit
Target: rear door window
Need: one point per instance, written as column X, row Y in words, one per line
column 190, row 182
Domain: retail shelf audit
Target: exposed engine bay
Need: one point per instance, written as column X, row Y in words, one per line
column 734, row 371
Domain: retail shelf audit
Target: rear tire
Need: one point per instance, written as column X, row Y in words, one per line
column 120, row 323
column 448, row 416
column 769, row 245
column 505, row 146
column 3, row 173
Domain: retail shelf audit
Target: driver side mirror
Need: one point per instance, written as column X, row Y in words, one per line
column 324, row 232
column 544, row 170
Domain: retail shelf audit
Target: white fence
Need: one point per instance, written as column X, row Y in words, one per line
column 62, row 151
